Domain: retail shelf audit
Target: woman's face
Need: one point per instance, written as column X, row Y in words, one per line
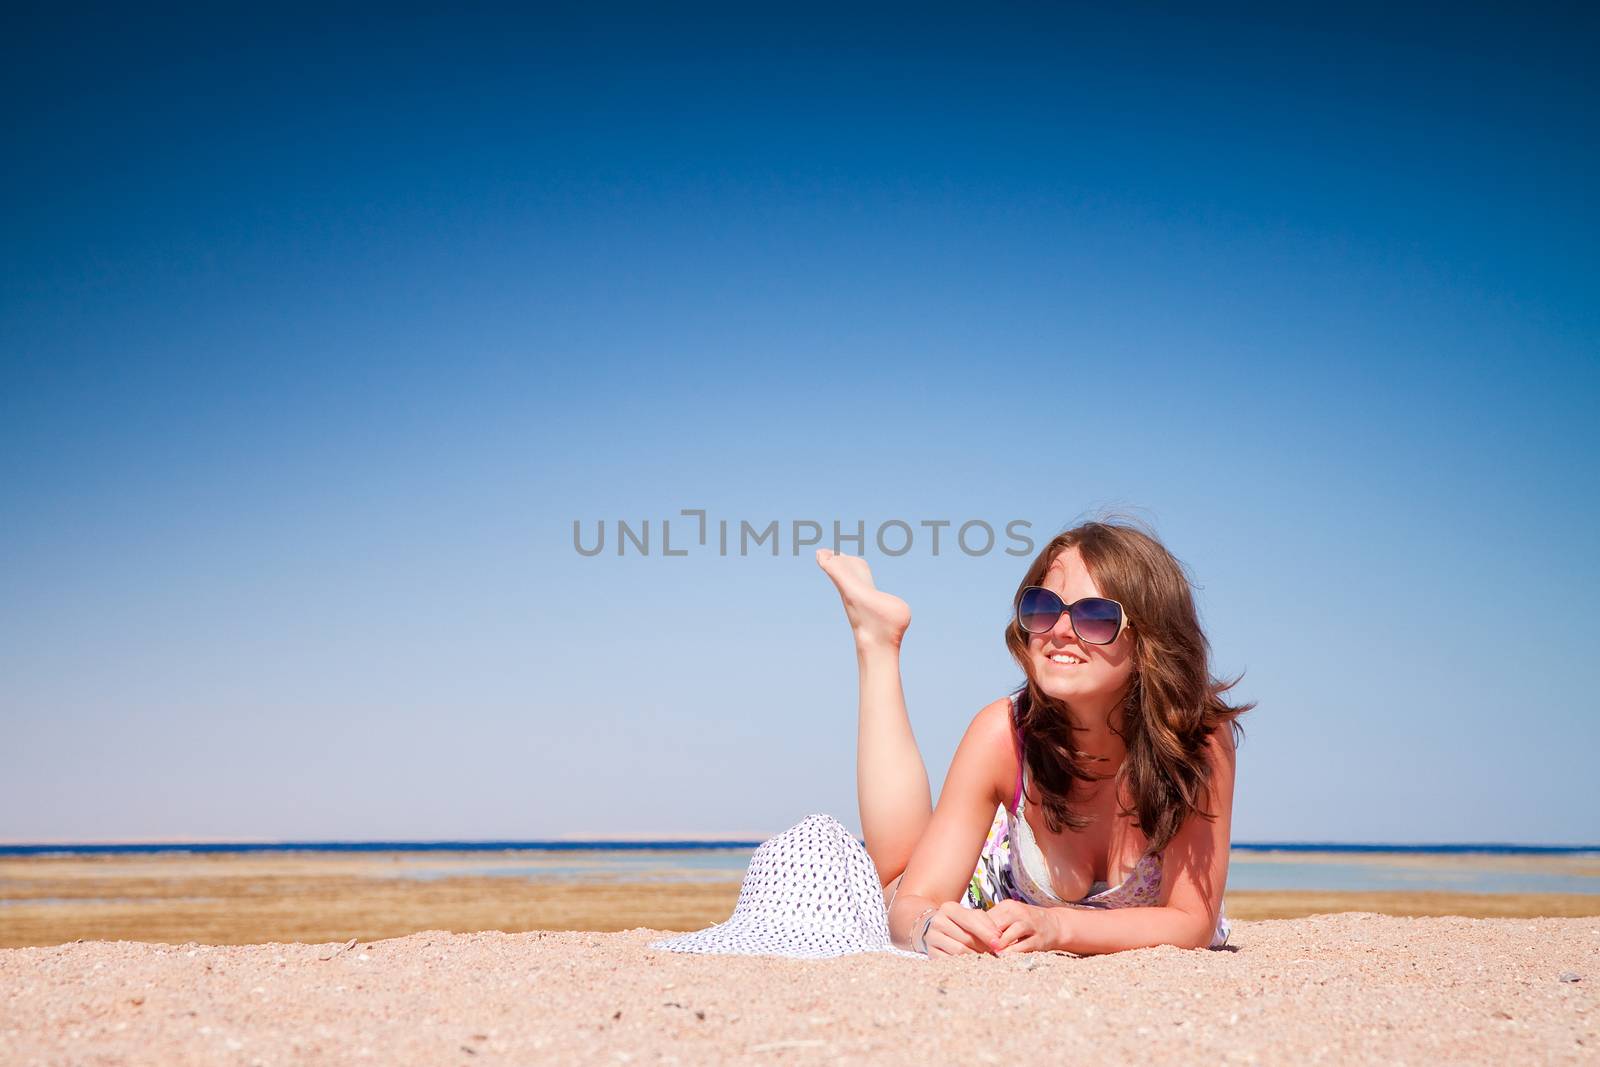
column 1069, row 669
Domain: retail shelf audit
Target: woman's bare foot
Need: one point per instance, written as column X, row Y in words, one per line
column 876, row 617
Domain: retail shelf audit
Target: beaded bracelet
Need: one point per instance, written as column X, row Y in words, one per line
column 926, row 914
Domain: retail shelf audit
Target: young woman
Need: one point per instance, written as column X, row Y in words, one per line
column 1087, row 812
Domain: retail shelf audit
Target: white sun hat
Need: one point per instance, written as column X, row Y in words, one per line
column 810, row 892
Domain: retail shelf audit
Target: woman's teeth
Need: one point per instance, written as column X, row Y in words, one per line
column 1065, row 660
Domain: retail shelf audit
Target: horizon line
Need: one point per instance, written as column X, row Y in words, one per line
column 721, row 839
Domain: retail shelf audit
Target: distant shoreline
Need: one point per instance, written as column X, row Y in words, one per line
column 315, row 897
column 697, row 843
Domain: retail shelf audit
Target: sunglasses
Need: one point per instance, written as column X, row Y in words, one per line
column 1096, row 620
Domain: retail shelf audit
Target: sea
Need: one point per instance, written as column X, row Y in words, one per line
column 1464, row 868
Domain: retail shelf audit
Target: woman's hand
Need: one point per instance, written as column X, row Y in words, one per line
column 956, row 930
column 1028, row 928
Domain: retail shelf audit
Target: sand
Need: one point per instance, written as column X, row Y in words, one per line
column 560, row 985
column 1326, row 989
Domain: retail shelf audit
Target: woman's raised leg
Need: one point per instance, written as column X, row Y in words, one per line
column 891, row 781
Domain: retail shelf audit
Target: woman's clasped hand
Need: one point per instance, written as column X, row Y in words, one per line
column 1007, row 929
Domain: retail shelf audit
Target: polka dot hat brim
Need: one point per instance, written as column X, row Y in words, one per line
column 811, row 892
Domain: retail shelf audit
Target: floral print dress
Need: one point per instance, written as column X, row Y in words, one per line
column 1000, row 875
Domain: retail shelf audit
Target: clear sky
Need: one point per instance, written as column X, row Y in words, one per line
column 319, row 333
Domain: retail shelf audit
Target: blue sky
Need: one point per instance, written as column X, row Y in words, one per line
column 319, row 332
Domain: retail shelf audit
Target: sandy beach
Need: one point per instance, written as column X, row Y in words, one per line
column 1328, row 989
column 400, row 958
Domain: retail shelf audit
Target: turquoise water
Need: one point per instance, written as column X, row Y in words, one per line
column 681, row 866
column 1338, row 872
column 1353, row 875
column 1293, row 866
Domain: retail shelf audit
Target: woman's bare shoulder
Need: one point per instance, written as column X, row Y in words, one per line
column 989, row 743
column 994, row 719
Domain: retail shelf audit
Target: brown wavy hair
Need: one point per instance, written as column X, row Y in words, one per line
column 1172, row 704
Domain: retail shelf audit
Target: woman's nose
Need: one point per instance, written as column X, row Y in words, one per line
column 1063, row 628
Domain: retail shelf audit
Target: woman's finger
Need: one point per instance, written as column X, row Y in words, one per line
column 1017, row 931
column 954, row 931
column 977, row 924
column 1004, row 913
column 944, row 944
column 1012, row 915
column 1031, row 943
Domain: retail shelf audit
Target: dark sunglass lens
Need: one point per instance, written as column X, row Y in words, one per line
column 1038, row 610
column 1096, row 620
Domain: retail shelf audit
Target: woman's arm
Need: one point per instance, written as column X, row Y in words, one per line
column 1091, row 931
column 941, row 866
column 1194, row 874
